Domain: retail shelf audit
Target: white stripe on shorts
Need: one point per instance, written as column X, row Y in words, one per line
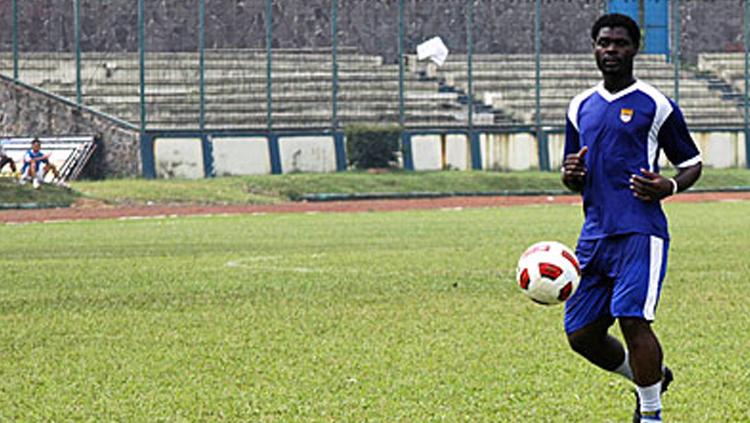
column 654, row 272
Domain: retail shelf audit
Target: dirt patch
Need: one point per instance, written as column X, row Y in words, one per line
column 90, row 209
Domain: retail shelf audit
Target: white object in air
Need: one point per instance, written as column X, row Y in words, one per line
column 434, row 49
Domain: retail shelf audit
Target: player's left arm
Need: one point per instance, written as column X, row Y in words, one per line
column 679, row 147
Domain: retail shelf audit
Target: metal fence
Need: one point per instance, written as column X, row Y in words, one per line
column 327, row 64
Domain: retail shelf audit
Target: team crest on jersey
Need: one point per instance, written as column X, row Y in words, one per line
column 626, row 115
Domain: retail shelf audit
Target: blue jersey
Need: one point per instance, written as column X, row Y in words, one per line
column 31, row 155
column 625, row 132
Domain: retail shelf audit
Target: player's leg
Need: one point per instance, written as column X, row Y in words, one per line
column 646, row 361
column 595, row 344
column 587, row 315
column 641, row 266
column 8, row 160
column 645, row 351
column 48, row 167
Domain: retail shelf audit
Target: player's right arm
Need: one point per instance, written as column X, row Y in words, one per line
column 574, row 163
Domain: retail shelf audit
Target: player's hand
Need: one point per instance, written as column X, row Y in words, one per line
column 574, row 169
column 651, row 186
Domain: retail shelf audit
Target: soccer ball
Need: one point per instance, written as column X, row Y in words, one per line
column 548, row 272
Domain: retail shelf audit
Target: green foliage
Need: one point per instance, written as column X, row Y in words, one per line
column 398, row 316
column 370, row 147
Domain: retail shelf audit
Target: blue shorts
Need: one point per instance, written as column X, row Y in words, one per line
column 621, row 276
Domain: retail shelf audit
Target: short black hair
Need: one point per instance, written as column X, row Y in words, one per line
column 612, row 20
column 35, row 140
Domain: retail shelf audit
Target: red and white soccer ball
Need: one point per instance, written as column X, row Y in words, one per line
column 548, row 272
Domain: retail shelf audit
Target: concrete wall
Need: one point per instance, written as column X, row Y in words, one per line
column 307, row 154
column 441, row 152
column 241, row 156
column 249, row 155
column 27, row 113
column 509, row 151
column 179, row 158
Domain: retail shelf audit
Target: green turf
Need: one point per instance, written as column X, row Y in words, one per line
column 12, row 193
column 399, row 316
column 275, row 188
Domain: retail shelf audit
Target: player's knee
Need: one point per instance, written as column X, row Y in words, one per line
column 636, row 331
column 634, row 325
column 581, row 341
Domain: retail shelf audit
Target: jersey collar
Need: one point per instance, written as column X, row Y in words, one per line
column 609, row 97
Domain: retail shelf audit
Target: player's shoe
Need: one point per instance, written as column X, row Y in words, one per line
column 665, row 381
column 62, row 184
column 35, row 183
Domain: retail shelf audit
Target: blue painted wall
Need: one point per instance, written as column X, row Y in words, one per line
column 656, row 26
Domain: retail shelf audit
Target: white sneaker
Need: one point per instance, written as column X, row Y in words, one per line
column 63, row 184
column 36, row 183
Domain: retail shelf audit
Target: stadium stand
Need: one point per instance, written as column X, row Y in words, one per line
column 726, row 73
column 235, row 87
column 506, row 82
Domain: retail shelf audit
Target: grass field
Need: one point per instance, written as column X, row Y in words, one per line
column 400, row 316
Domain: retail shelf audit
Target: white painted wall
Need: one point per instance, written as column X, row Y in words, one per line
column 458, row 152
column 307, row 154
column 178, row 158
column 509, row 151
column 719, row 150
column 436, row 152
column 425, row 152
column 556, row 147
column 241, row 156
column 183, row 157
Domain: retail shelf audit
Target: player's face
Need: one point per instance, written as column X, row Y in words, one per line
column 36, row 146
column 614, row 51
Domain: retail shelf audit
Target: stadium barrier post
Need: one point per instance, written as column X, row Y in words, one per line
column 401, row 118
column 476, row 151
column 274, row 153
column 406, row 150
column 469, row 61
column 148, row 162
column 202, row 66
column 476, row 157
column 15, row 40
column 269, row 69
column 208, row 155
column 77, row 36
column 147, row 142
column 540, row 136
column 746, row 100
column 338, row 143
column 676, row 54
column 543, row 145
column 334, row 65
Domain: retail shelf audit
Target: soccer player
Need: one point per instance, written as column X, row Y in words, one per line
column 32, row 162
column 5, row 159
column 613, row 137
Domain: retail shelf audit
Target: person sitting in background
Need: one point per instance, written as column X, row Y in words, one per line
column 32, row 162
column 5, row 159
